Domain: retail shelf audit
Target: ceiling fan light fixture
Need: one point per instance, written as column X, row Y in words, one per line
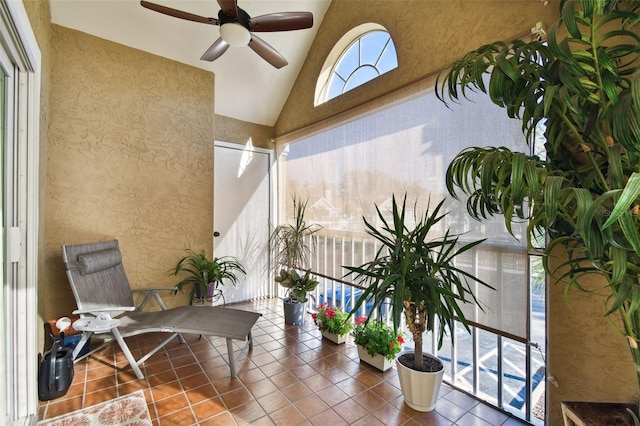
column 235, row 34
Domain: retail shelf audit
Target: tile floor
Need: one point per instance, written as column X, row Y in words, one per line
column 290, row 377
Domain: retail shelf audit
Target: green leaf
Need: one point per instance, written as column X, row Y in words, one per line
column 629, row 196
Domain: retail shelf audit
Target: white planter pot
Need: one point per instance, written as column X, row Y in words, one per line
column 420, row 389
column 378, row 361
column 335, row 338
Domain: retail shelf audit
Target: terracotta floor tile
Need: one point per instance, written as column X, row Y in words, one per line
column 165, row 391
column 286, row 416
column 332, row 395
column 223, row 419
column 290, row 377
column 64, row 407
column 201, row 393
column 261, row 387
column 369, row 400
column 248, row 413
column 317, row 383
column 273, row 401
column 236, row 397
column 208, row 408
column 390, row 415
column 181, row 417
column 100, row 396
column 296, row 391
column 327, row 417
column 194, row 381
column 310, row 406
column 283, row 379
column 171, row 405
column 350, row 410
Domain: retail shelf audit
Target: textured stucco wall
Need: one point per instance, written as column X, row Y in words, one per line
column 428, row 34
column 237, row 131
column 130, row 157
column 590, row 360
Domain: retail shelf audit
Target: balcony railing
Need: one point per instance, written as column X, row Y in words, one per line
column 502, row 369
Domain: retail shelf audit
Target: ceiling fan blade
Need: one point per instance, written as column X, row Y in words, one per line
column 267, row 52
column 284, row 21
column 229, row 7
column 215, row 51
column 178, row 13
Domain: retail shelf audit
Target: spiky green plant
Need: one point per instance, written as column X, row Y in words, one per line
column 291, row 243
column 584, row 87
column 416, row 275
column 201, row 272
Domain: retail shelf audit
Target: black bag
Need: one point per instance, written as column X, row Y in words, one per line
column 55, row 372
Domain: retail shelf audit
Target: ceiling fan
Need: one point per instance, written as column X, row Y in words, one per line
column 237, row 28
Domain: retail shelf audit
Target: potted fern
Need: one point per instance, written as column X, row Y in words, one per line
column 583, row 85
column 205, row 276
column 417, row 276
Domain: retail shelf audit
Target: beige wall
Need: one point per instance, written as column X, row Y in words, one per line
column 590, row 360
column 130, row 157
column 236, row 131
column 428, row 34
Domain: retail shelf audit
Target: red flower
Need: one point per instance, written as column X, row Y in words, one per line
column 330, row 313
column 314, row 316
column 360, row 320
column 400, row 340
column 391, row 345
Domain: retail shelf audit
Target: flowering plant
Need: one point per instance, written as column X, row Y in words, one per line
column 332, row 319
column 376, row 337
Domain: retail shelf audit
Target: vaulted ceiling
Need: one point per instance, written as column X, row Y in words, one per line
column 247, row 87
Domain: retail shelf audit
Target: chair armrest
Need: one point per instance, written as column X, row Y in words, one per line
column 138, row 290
column 152, row 292
column 97, row 311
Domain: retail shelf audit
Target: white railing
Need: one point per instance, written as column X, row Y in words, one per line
column 499, row 368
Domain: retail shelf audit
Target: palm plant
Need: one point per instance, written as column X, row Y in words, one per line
column 291, row 243
column 584, row 87
column 416, row 275
column 291, row 246
column 202, row 272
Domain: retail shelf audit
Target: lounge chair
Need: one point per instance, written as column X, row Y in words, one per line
column 105, row 304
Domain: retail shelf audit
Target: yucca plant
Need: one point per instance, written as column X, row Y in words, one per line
column 202, row 272
column 583, row 86
column 416, row 275
column 291, row 243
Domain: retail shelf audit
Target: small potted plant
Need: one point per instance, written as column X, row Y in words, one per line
column 205, row 276
column 298, row 286
column 333, row 322
column 377, row 342
column 291, row 246
column 420, row 278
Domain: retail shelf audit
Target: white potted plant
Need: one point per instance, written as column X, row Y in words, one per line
column 417, row 276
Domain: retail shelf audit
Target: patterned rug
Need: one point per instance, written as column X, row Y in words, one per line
column 128, row 410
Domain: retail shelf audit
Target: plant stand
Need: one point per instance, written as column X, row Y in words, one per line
column 419, row 388
column 378, row 361
column 338, row 339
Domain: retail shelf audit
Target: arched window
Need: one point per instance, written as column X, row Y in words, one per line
column 361, row 55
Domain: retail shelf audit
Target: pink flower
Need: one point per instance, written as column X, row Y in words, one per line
column 360, row 320
column 331, row 313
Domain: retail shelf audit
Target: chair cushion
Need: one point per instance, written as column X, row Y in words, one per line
column 98, row 261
